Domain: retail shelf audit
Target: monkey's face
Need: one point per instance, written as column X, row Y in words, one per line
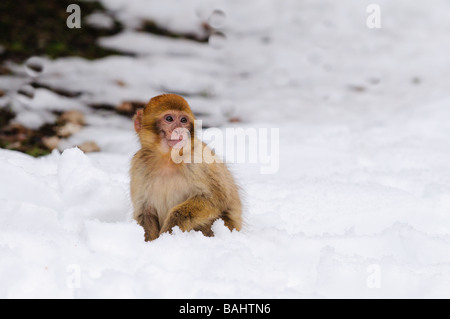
column 174, row 128
column 166, row 121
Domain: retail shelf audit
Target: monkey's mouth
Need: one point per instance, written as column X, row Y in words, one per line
column 178, row 143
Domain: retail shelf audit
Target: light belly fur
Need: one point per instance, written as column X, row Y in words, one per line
column 166, row 192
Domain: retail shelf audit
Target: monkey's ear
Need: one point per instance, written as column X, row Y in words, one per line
column 138, row 120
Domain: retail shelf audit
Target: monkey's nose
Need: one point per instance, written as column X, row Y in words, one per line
column 178, row 133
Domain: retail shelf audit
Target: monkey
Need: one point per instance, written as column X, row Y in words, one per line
column 165, row 192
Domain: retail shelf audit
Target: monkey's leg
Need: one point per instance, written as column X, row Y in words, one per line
column 232, row 218
column 197, row 213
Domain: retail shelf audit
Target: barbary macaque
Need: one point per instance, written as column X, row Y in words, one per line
column 187, row 193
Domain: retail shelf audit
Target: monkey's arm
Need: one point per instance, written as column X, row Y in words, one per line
column 150, row 223
column 197, row 213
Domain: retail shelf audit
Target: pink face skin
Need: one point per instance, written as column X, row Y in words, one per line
column 175, row 127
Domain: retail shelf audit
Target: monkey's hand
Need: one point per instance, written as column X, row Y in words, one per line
column 197, row 213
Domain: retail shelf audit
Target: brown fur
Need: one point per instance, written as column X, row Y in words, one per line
column 188, row 195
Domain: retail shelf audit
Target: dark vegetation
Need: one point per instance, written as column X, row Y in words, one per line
column 39, row 28
column 33, row 28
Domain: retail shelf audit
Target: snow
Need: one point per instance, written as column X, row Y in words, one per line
column 100, row 20
column 359, row 207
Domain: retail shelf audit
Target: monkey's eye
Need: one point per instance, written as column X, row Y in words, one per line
column 183, row 120
column 169, row 118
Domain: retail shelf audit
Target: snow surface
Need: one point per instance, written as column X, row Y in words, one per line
column 359, row 208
